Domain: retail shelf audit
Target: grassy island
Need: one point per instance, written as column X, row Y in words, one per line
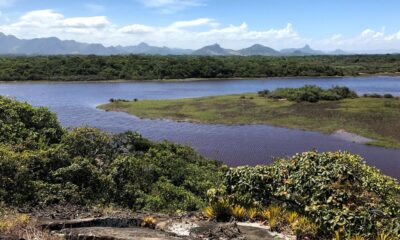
column 372, row 116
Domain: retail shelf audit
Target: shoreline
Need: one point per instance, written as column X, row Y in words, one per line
column 202, row 79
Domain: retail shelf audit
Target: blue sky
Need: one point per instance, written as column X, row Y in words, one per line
column 325, row 24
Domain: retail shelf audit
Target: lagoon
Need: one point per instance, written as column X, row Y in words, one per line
column 75, row 103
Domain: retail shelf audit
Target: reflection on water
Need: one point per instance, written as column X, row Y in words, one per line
column 75, row 104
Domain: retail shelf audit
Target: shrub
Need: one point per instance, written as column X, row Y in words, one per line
column 25, row 127
column 291, row 217
column 388, row 95
column 239, row 212
column 149, row 222
column 274, row 216
column 219, row 210
column 335, row 190
column 310, row 93
column 251, row 213
column 373, row 95
column 305, row 229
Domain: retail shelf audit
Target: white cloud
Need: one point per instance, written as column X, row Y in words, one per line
column 192, row 33
column 137, row 29
column 367, row 39
column 85, row 22
column 171, row 6
column 194, row 23
column 47, row 23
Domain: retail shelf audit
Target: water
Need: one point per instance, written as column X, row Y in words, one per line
column 75, row 104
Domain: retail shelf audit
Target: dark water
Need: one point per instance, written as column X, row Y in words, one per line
column 75, row 104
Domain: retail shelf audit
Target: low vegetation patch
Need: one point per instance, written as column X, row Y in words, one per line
column 309, row 93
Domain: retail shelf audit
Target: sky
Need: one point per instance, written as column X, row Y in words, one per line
column 351, row 25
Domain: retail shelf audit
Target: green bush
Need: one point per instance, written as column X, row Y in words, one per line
column 309, row 93
column 23, row 126
column 335, row 189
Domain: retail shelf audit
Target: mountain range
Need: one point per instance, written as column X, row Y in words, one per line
column 11, row 45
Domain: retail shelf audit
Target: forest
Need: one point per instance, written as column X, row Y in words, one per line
column 141, row 67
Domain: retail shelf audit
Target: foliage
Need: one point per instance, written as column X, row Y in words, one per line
column 336, row 190
column 239, row 212
column 149, row 222
column 291, row 217
column 137, row 67
column 22, row 126
column 220, row 210
column 251, row 213
column 305, row 229
column 274, row 215
column 310, row 93
column 87, row 166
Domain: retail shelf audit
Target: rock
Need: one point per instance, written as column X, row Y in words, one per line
column 215, row 231
column 91, row 222
column 108, row 233
column 226, row 231
column 9, row 237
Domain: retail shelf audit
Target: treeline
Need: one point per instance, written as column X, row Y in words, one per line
column 136, row 67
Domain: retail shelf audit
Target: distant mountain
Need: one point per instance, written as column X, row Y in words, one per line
column 144, row 48
column 306, row 50
column 258, row 49
column 11, row 45
column 339, row 52
column 215, row 50
column 50, row 46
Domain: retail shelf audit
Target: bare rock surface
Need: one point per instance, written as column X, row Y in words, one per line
column 91, row 222
column 220, row 231
column 80, row 224
column 109, row 233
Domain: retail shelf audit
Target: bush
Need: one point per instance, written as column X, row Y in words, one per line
column 310, row 93
column 25, row 127
column 372, row 95
column 336, row 190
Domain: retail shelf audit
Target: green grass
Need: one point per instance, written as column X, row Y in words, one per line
column 373, row 118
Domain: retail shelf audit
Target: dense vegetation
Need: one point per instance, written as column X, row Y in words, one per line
column 336, row 192
column 309, row 93
column 41, row 163
column 180, row 67
column 374, row 116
